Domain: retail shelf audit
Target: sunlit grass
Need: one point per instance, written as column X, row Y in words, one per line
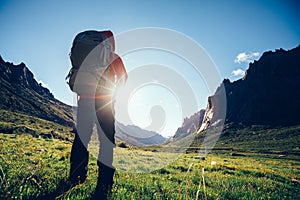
column 11, row 122
column 31, row 167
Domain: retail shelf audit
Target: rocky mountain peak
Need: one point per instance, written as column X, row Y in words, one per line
column 268, row 94
column 189, row 125
column 21, row 93
column 22, row 76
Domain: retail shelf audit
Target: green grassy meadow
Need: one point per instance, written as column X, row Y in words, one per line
column 32, row 167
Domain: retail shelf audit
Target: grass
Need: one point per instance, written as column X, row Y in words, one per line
column 12, row 122
column 264, row 139
column 32, row 167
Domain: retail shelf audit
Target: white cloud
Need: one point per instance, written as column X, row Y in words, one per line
column 246, row 57
column 238, row 73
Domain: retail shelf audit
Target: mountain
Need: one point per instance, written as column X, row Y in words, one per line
column 268, row 94
column 189, row 125
column 21, row 93
column 134, row 135
column 22, row 96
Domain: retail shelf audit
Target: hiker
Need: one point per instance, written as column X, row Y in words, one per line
column 97, row 72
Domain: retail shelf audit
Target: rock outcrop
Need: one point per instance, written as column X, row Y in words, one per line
column 268, row 94
column 189, row 125
column 21, row 93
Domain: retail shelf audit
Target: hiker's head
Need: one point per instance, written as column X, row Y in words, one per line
column 110, row 36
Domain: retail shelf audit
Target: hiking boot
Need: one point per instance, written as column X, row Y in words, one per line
column 105, row 182
column 79, row 168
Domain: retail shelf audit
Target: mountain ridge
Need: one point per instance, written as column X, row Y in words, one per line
column 136, row 136
column 266, row 95
column 189, row 125
column 21, row 93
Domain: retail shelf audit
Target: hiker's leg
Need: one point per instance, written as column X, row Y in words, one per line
column 78, row 161
column 106, row 135
column 107, row 141
column 86, row 116
column 79, row 154
column 106, row 121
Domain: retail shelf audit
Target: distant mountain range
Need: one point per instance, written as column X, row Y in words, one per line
column 268, row 94
column 136, row 136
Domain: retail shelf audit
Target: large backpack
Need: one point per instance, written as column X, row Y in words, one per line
column 90, row 55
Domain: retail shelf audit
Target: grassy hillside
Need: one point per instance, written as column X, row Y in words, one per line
column 257, row 138
column 17, row 123
column 32, row 167
column 21, row 93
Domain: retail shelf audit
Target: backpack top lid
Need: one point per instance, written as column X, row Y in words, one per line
column 85, row 42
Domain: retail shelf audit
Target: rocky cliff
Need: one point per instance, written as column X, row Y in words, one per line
column 21, row 93
column 189, row 125
column 268, row 94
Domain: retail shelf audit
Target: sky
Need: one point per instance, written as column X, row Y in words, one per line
column 233, row 33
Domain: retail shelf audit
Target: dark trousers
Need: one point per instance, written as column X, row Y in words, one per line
column 93, row 111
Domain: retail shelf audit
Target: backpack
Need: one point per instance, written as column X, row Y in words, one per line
column 90, row 55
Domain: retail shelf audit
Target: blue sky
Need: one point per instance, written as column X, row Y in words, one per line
column 40, row 33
